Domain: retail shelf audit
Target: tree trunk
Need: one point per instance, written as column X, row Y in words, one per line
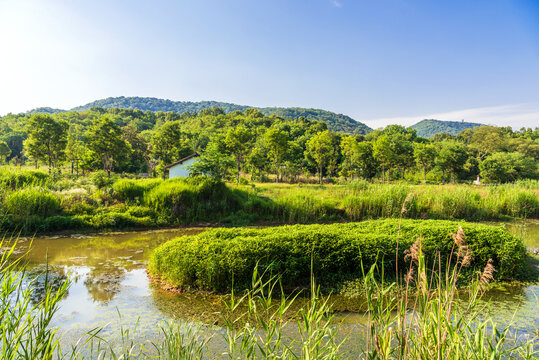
column 424, row 175
column 320, row 172
column 383, row 174
column 238, row 176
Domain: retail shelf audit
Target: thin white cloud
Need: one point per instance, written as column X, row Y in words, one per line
column 336, row 3
column 516, row 116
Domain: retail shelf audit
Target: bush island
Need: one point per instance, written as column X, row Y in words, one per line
column 210, row 260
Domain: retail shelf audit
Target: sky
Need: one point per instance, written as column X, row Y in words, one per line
column 378, row 61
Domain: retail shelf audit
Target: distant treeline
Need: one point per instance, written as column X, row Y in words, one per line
column 264, row 147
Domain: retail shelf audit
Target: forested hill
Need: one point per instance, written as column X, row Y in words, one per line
column 429, row 127
column 336, row 122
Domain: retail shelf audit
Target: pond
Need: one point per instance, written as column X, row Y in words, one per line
column 110, row 287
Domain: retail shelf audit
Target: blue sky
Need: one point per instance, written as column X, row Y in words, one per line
column 379, row 61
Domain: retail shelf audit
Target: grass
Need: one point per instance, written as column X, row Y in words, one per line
column 32, row 201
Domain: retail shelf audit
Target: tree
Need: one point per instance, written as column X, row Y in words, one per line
column 169, row 143
column 75, row 149
column 487, row 140
column 507, row 167
column 276, row 141
column 349, row 149
column 106, row 142
column 238, row 142
column 383, row 153
column 320, row 148
column 425, row 155
column 139, row 157
column 452, row 158
column 5, row 151
column 47, row 139
column 215, row 161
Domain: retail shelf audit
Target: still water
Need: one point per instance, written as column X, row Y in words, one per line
column 110, row 287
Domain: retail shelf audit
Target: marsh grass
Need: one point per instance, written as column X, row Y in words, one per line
column 33, row 201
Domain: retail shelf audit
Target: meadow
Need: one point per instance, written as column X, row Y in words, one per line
column 32, row 201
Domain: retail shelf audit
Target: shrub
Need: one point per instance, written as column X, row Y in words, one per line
column 101, row 179
column 210, row 260
column 77, row 201
column 32, row 201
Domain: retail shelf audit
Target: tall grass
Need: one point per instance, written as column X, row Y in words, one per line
column 27, row 202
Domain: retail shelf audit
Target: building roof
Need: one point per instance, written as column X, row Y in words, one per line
column 181, row 161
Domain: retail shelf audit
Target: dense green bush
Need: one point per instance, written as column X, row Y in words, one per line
column 210, row 260
column 32, row 202
column 101, row 179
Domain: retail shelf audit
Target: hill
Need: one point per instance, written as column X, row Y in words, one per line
column 430, row 127
column 45, row 110
column 336, row 122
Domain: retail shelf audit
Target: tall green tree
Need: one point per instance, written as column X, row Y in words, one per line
column 425, row 156
column 106, row 142
column 238, row 141
column 5, row 151
column 383, row 153
column 75, row 148
column 215, row 161
column 169, row 143
column 47, row 139
column 320, row 148
column 507, row 167
column 276, row 141
column 349, row 150
column 452, row 158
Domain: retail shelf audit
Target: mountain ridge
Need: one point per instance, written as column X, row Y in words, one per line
column 336, row 122
column 429, row 127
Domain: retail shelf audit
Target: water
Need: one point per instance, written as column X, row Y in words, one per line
column 110, row 287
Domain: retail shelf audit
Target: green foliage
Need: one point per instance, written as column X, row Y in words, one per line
column 106, row 143
column 32, row 202
column 47, row 139
column 193, row 200
column 102, row 180
column 16, row 179
column 129, row 190
column 5, row 151
column 210, row 260
column 508, row 167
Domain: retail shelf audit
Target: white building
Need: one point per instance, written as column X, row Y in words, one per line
column 180, row 167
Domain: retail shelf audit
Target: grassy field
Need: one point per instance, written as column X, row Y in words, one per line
column 31, row 201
